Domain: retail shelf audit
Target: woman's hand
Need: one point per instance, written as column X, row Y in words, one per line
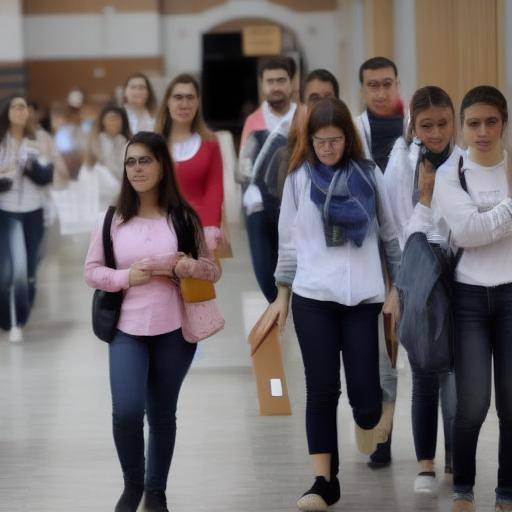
column 392, row 306
column 139, row 275
column 280, row 306
column 183, row 267
column 426, row 181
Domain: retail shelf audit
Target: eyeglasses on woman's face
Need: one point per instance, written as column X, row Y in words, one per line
column 327, row 142
column 142, row 161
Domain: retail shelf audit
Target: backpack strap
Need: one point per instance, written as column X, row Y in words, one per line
column 108, row 248
column 462, row 176
column 464, row 185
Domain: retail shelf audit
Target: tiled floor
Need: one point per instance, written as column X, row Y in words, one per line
column 56, row 450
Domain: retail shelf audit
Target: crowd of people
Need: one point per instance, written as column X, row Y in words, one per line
column 334, row 205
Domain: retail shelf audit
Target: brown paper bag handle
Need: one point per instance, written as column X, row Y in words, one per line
column 261, row 329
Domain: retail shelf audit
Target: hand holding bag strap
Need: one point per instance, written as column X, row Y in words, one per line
column 108, row 248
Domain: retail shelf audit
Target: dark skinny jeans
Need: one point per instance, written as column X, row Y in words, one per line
column 264, row 244
column 324, row 329
column 427, row 389
column 483, row 326
column 146, row 373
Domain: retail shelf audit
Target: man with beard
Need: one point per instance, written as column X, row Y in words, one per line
column 264, row 134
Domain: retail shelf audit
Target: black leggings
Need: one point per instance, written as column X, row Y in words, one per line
column 324, row 329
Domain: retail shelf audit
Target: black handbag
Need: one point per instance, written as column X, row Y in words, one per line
column 38, row 173
column 106, row 306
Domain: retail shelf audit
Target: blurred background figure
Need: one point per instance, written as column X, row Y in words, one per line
column 140, row 103
column 26, row 169
column 105, row 152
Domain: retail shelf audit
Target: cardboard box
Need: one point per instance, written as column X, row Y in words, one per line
column 267, row 363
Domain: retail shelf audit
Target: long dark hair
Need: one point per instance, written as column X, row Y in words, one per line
column 121, row 112
column 327, row 112
column 423, row 99
column 185, row 220
column 4, row 118
column 163, row 123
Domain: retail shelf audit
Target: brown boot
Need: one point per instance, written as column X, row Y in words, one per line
column 463, row 506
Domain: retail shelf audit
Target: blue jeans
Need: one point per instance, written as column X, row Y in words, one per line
column 264, row 244
column 426, row 389
column 21, row 235
column 324, row 330
column 146, row 373
column 483, row 327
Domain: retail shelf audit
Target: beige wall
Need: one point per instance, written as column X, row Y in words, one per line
column 86, row 6
column 459, row 44
column 97, row 77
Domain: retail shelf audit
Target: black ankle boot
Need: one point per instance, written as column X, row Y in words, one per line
column 130, row 499
column 155, row 501
column 381, row 457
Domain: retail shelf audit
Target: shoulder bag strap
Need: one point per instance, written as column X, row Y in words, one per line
column 464, row 185
column 108, row 248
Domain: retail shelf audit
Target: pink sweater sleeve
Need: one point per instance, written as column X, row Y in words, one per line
column 205, row 267
column 97, row 275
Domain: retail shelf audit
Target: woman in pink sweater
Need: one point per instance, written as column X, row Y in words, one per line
column 195, row 150
column 157, row 239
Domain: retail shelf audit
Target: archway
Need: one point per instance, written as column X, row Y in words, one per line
column 230, row 82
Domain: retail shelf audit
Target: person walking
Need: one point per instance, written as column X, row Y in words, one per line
column 480, row 223
column 271, row 121
column 157, row 240
column 195, row 151
column 26, row 169
column 334, row 211
column 379, row 125
column 409, row 178
column 139, row 102
column 105, row 151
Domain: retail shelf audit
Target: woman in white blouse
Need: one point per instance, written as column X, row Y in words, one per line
column 334, row 211
column 26, row 169
column 409, row 177
column 480, row 223
column 140, row 103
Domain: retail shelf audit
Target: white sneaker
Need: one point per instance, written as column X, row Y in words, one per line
column 426, row 483
column 15, row 335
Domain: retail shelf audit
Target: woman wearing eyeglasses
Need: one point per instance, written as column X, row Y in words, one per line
column 333, row 213
column 195, row 151
column 156, row 236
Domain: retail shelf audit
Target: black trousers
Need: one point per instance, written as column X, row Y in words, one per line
column 325, row 330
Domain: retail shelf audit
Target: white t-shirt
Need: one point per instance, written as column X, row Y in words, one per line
column 480, row 221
